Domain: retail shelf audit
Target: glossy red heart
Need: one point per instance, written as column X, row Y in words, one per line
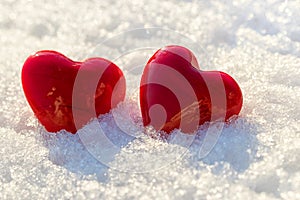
column 175, row 93
column 65, row 94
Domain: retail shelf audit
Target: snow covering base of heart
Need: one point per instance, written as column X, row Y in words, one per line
column 257, row 155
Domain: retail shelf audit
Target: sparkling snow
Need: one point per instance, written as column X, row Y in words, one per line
column 257, row 155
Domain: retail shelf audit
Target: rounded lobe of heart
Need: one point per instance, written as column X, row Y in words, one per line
column 48, row 79
column 187, row 96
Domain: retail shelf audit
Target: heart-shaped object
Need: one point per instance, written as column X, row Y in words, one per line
column 175, row 93
column 65, row 94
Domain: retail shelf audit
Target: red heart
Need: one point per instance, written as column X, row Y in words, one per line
column 175, row 93
column 65, row 94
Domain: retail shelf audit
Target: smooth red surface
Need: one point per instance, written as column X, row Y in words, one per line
column 48, row 79
column 227, row 94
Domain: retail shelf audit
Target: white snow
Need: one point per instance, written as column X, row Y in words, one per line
column 257, row 155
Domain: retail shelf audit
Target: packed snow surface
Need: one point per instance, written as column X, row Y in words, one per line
column 257, row 155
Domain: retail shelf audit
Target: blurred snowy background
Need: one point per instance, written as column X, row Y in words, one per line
column 257, row 155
